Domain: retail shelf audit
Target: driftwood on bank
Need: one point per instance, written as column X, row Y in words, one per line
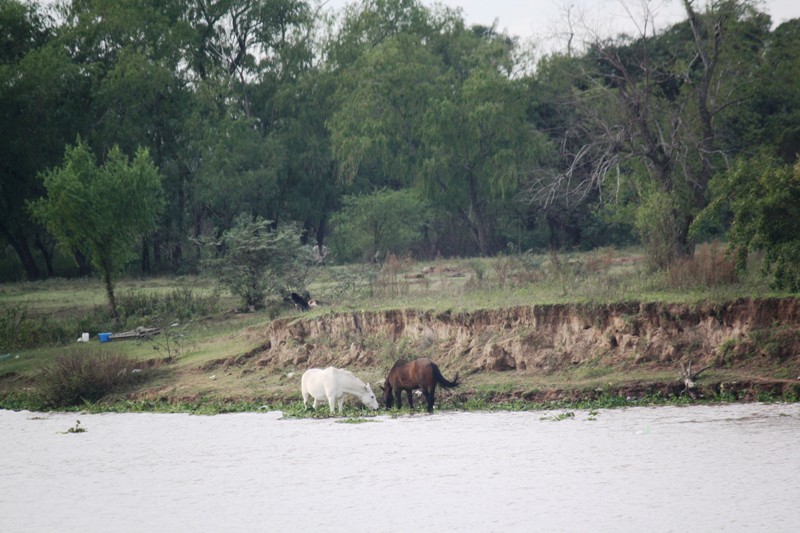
column 689, row 377
column 138, row 333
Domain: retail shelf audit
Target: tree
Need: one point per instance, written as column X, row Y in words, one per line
column 376, row 130
column 101, row 210
column 650, row 110
column 41, row 95
column 433, row 104
column 239, row 172
column 253, row 259
column 481, row 147
column 309, row 190
column 772, row 114
column 379, row 223
column 762, row 196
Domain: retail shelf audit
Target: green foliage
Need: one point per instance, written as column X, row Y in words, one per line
column 440, row 112
column 709, row 266
column 81, row 376
column 182, row 303
column 254, row 260
column 383, row 222
column 771, row 116
column 384, row 146
column 42, row 105
column 353, row 411
column 263, row 107
column 355, row 420
column 763, row 198
column 240, row 170
column 611, row 224
column 658, row 222
column 480, row 147
column 77, row 428
column 101, row 210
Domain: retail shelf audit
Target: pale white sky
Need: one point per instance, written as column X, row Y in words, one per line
column 544, row 21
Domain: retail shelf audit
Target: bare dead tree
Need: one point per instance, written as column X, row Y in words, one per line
column 690, row 378
column 650, row 102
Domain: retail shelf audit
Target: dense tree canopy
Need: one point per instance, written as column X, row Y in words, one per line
column 280, row 110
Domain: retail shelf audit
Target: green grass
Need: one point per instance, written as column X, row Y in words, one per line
column 40, row 321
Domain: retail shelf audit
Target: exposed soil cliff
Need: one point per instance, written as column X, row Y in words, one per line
column 544, row 338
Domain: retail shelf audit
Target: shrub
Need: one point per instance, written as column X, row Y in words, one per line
column 709, row 266
column 658, row 227
column 80, row 377
column 181, row 303
column 20, row 330
column 762, row 196
column 253, row 259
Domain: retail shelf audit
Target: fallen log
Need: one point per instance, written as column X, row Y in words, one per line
column 138, row 333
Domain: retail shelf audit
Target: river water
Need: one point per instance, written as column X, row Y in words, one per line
column 705, row 468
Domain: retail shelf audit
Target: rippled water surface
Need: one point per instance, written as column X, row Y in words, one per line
column 701, row 468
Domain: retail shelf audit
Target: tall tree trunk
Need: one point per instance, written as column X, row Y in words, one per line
column 23, row 251
column 475, row 217
column 322, row 231
column 145, row 259
column 112, row 301
column 47, row 250
column 84, row 268
column 710, row 61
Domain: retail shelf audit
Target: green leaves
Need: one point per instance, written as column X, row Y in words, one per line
column 383, row 99
column 385, row 222
column 101, row 210
column 440, row 112
column 253, row 260
column 763, row 197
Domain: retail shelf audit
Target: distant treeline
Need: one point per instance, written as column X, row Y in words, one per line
column 393, row 127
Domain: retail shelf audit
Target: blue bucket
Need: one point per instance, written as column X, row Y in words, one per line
column 104, row 337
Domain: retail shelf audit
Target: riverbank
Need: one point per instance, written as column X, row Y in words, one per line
column 520, row 331
column 740, row 350
column 525, row 357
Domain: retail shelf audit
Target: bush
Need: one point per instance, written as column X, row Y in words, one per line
column 19, row 330
column 179, row 304
column 708, row 267
column 763, row 198
column 80, row 377
column 658, row 227
column 253, row 259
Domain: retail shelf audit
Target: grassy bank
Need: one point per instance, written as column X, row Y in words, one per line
column 190, row 366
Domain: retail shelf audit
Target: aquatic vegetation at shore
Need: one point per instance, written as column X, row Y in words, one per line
column 77, row 428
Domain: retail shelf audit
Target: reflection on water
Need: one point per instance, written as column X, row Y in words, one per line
column 705, row 468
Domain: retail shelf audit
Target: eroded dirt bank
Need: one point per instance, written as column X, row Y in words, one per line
column 760, row 337
column 545, row 338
